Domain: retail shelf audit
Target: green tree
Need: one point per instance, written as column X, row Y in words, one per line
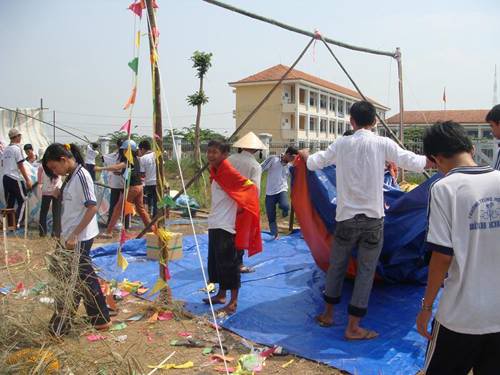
column 202, row 61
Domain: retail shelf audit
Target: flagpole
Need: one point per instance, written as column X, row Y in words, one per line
column 158, row 135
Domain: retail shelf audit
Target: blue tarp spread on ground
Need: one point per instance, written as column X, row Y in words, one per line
column 279, row 301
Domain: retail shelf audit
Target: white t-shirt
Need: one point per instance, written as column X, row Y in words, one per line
column 12, row 156
column 245, row 163
column 360, row 160
column 497, row 160
column 464, row 221
column 115, row 181
column 48, row 184
column 148, row 167
column 90, row 156
column 223, row 211
column 277, row 175
column 78, row 193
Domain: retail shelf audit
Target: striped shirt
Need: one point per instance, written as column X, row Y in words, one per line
column 497, row 161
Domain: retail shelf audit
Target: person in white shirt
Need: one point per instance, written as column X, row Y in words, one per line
column 360, row 161
column 147, row 158
column 245, row 163
column 16, row 179
column 278, row 168
column 50, row 189
column 464, row 238
column 31, row 156
column 90, row 158
column 493, row 118
column 79, row 228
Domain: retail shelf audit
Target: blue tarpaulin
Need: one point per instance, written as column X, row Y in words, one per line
column 279, row 301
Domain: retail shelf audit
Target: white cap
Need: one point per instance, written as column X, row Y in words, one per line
column 250, row 141
column 13, row 133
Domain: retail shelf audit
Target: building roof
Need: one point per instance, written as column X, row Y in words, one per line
column 463, row 116
column 276, row 72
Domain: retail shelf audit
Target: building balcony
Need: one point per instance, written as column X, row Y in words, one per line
column 288, row 107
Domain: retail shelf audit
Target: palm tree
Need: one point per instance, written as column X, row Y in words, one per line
column 201, row 62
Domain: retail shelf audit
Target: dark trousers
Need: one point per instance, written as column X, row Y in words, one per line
column 113, row 200
column 280, row 199
column 47, row 200
column 151, row 199
column 453, row 353
column 87, row 288
column 91, row 169
column 367, row 234
column 223, row 265
column 15, row 192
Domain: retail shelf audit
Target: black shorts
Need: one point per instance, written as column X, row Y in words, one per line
column 453, row 353
column 223, row 262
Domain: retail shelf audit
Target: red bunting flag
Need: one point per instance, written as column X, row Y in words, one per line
column 126, row 127
column 123, row 237
column 136, row 8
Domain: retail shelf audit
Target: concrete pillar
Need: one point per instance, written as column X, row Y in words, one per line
column 177, row 151
column 266, row 139
column 103, row 145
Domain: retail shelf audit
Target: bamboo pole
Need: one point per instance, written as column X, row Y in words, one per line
column 401, row 103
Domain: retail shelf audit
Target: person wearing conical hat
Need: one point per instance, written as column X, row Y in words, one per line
column 245, row 163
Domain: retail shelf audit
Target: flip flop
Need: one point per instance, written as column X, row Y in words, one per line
column 322, row 323
column 368, row 335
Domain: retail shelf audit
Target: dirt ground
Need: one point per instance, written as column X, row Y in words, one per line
column 24, row 320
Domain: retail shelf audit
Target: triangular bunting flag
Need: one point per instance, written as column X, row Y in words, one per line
column 136, row 8
column 134, row 64
column 123, row 237
column 128, row 154
column 131, row 99
column 138, row 39
column 166, row 201
column 159, row 285
column 126, row 126
column 121, row 261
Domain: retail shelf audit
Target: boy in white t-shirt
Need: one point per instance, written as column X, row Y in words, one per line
column 147, row 160
column 464, row 237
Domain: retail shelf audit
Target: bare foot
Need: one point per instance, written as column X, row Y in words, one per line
column 103, row 327
column 360, row 334
column 227, row 310
column 324, row 320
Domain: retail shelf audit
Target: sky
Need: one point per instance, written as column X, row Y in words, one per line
column 74, row 55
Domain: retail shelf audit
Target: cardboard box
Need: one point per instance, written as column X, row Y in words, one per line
column 174, row 247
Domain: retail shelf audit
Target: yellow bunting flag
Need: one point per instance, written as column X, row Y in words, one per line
column 138, row 39
column 159, row 285
column 121, row 261
column 169, row 366
column 128, row 154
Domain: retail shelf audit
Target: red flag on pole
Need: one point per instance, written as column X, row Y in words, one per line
column 126, row 126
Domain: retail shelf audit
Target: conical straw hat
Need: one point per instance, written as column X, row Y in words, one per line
column 250, row 141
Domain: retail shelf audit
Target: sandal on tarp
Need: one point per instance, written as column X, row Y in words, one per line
column 368, row 335
column 322, row 323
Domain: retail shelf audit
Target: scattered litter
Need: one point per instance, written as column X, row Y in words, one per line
column 185, row 334
column 221, row 358
column 118, row 326
column 153, row 318
column 121, row 338
column 125, row 311
column 129, row 286
column 210, row 288
column 207, row 351
column 189, row 343
column 169, row 366
column 5, row 290
column 285, row 365
column 19, row 287
column 93, row 338
column 135, row 317
column 142, row 290
column 46, row 300
column 35, row 357
column 223, row 369
column 252, row 362
column 38, row 288
column 166, row 315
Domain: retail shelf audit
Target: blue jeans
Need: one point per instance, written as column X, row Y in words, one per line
column 271, row 200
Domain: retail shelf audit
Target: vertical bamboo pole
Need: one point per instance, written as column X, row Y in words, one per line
column 401, row 102
column 158, row 130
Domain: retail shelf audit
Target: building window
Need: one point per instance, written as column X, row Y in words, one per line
column 322, row 101
column 348, row 106
column 302, row 145
column 312, row 124
column 302, row 123
column 332, row 127
column 312, row 99
column 322, row 126
column 341, row 111
column 473, row 133
column 302, row 96
column 487, row 134
column 332, row 104
column 341, row 127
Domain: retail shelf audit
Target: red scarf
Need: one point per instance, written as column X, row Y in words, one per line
column 245, row 194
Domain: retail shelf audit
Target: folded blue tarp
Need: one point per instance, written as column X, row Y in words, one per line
column 279, row 301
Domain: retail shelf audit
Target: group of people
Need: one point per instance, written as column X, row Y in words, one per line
column 463, row 234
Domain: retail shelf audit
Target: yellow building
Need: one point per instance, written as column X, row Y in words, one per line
column 305, row 110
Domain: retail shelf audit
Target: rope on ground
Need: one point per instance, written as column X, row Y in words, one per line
column 238, row 129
